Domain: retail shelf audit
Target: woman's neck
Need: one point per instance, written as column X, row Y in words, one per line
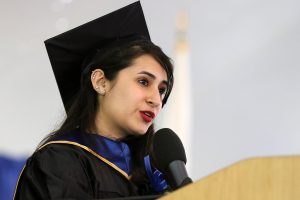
column 103, row 128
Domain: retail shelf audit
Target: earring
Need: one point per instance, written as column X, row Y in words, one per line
column 99, row 90
column 102, row 92
column 93, row 74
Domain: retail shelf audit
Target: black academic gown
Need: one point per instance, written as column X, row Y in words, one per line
column 73, row 169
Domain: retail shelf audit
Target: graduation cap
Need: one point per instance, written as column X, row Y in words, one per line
column 68, row 50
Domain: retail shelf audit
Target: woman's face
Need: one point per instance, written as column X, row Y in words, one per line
column 132, row 100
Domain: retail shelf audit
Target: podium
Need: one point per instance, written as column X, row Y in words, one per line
column 270, row 178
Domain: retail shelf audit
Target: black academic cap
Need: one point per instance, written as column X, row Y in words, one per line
column 68, row 50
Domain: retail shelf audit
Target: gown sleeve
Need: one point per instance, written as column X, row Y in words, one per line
column 54, row 172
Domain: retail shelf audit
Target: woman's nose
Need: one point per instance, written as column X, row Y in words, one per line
column 154, row 99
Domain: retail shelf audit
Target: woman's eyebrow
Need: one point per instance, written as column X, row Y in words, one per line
column 152, row 76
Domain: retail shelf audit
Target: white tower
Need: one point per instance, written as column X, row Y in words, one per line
column 177, row 113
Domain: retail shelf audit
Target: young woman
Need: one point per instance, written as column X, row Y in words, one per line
column 99, row 150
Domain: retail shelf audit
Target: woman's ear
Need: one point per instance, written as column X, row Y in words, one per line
column 98, row 81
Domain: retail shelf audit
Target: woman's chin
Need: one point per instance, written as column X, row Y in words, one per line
column 140, row 132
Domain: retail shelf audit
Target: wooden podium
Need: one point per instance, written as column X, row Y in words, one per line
column 272, row 178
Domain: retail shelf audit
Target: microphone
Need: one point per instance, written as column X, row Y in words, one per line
column 169, row 157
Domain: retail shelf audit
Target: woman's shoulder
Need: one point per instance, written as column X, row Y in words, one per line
column 52, row 171
column 56, row 149
column 60, row 147
column 66, row 167
column 57, row 159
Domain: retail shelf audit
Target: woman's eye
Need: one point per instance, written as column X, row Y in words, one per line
column 162, row 91
column 144, row 82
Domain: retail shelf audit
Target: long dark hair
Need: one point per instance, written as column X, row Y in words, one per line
column 81, row 110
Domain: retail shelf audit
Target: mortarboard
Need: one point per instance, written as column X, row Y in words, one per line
column 68, row 50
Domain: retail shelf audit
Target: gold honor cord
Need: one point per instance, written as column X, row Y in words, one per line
column 18, row 181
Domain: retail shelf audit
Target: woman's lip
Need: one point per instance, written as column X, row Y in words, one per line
column 149, row 113
column 147, row 118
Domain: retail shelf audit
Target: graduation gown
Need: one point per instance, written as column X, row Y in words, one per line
column 77, row 166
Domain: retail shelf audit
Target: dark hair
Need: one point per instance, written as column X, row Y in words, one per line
column 82, row 109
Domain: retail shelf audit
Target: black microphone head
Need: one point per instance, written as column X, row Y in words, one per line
column 166, row 147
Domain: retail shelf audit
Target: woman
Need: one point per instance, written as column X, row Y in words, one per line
column 99, row 149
